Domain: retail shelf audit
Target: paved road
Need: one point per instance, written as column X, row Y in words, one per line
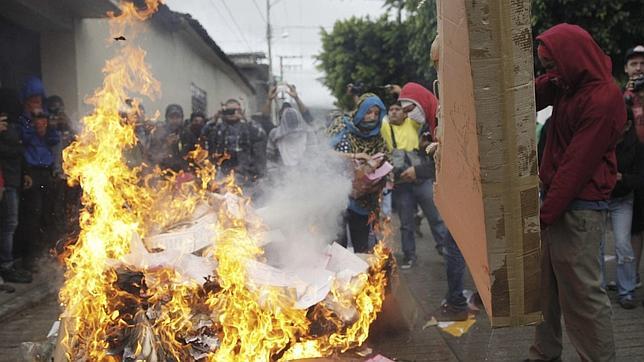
column 427, row 283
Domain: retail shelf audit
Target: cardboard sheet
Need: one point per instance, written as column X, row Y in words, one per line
column 487, row 187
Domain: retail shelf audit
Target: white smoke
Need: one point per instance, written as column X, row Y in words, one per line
column 306, row 205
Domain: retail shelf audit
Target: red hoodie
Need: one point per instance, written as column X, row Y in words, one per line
column 426, row 99
column 588, row 118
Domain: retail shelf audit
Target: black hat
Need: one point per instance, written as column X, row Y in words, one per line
column 173, row 109
column 636, row 50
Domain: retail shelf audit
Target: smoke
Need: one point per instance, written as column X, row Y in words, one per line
column 305, row 203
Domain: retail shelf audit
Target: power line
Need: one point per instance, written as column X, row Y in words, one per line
column 236, row 25
column 223, row 17
column 259, row 11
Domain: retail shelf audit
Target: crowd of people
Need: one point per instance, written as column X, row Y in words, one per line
column 591, row 156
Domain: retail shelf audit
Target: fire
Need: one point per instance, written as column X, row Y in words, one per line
column 113, row 312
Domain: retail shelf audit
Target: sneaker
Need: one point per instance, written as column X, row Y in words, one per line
column 448, row 313
column 407, row 263
column 612, row 286
column 13, row 275
column 627, row 302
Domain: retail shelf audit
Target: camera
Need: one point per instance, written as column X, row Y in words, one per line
column 638, row 83
column 228, row 112
column 356, row 89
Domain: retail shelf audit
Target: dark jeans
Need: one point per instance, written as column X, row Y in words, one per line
column 455, row 269
column 8, row 224
column 405, row 197
column 35, row 216
column 64, row 208
column 358, row 229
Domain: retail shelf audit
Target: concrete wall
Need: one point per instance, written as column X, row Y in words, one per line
column 58, row 55
column 177, row 57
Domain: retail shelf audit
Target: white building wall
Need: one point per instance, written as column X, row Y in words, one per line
column 176, row 59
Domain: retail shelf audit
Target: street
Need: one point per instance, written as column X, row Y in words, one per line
column 427, row 283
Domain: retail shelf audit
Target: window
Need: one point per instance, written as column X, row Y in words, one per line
column 199, row 99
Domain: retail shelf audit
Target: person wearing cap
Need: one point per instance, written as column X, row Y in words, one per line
column 39, row 140
column 634, row 89
column 634, row 69
column 578, row 172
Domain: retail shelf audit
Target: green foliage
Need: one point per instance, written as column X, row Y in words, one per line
column 393, row 50
column 379, row 52
column 616, row 25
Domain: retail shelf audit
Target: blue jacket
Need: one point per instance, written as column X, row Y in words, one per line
column 38, row 150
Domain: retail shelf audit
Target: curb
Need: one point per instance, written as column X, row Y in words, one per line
column 26, row 298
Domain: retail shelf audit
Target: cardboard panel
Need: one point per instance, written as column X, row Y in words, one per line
column 487, row 187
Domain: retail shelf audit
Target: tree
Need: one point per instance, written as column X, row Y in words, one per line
column 615, row 25
column 379, row 52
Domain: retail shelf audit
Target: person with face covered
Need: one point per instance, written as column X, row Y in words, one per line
column 290, row 143
column 236, row 145
column 417, row 183
column 357, row 137
column 578, row 172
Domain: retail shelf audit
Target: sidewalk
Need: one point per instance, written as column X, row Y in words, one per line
column 45, row 283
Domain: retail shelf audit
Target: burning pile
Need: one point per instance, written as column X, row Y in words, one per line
column 137, row 287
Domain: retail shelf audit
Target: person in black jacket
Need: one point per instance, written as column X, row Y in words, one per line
column 630, row 177
column 11, row 159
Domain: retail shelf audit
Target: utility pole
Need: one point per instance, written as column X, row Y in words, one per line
column 282, row 57
column 271, row 114
column 268, row 40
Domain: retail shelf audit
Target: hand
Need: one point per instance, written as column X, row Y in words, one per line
column 27, row 182
column 172, row 138
column 393, row 88
column 431, row 148
column 272, row 93
column 292, row 91
column 361, row 156
column 619, row 176
column 409, row 174
column 4, row 125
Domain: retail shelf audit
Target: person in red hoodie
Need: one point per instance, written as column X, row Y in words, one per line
column 578, row 172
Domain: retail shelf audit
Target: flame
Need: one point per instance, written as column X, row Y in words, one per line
column 106, row 308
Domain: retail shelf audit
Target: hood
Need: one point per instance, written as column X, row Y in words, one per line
column 291, row 122
column 367, row 101
column 421, row 96
column 33, row 87
column 580, row 61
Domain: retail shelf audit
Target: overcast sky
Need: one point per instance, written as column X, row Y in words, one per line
column 240, row 26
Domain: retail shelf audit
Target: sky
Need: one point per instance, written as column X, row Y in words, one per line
column 240, row 26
